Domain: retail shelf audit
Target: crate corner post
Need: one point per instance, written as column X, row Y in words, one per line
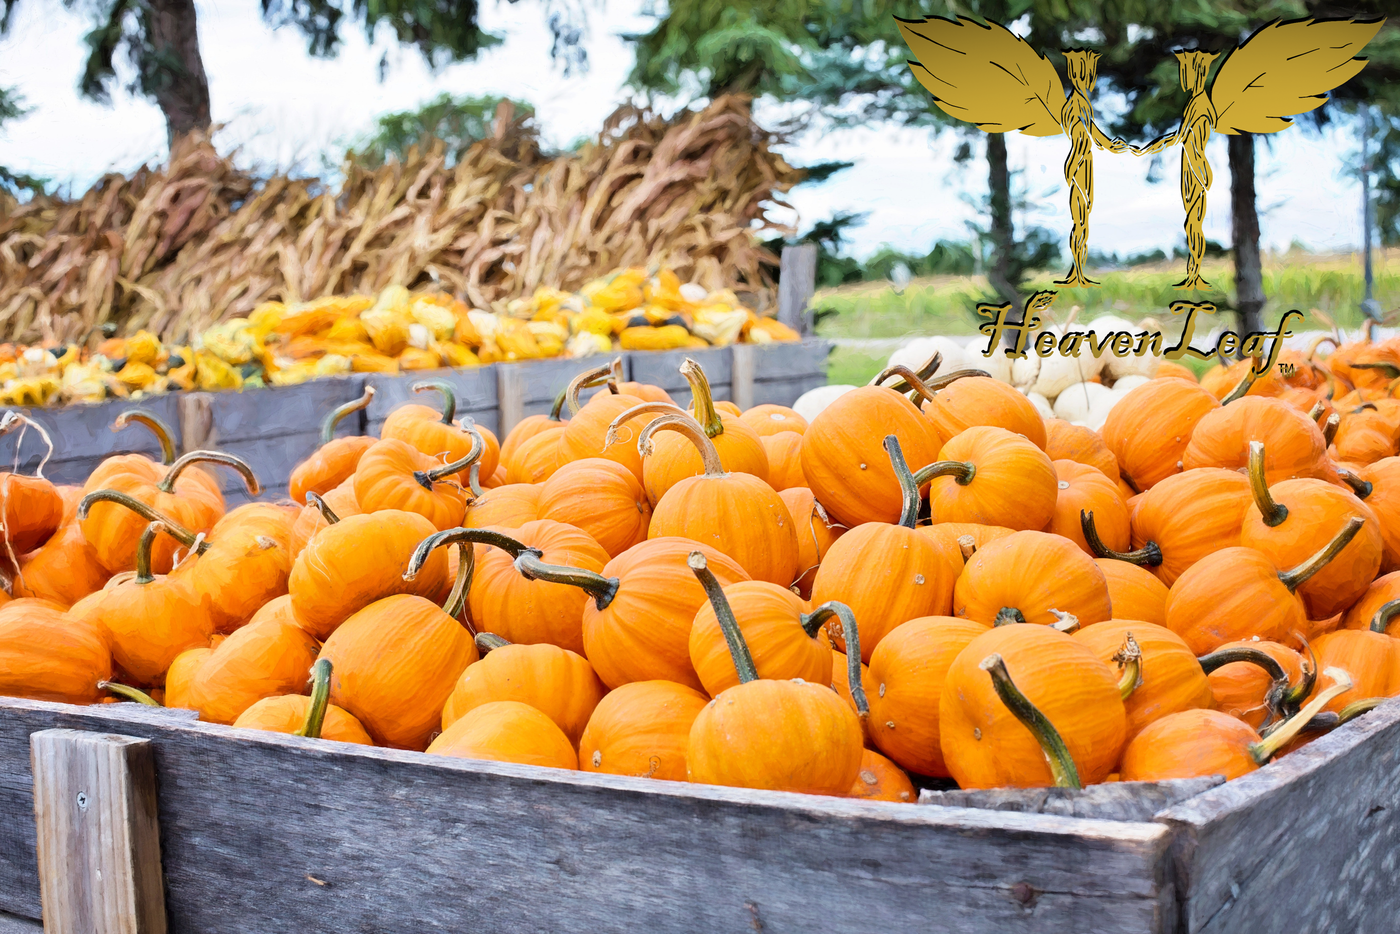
column 797, row 281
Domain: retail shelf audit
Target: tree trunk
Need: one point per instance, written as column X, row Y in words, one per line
column 175, row 70
column 1244, row 227
column 1001, row 275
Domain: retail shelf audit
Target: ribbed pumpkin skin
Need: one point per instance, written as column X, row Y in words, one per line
column 1365, row 437
column 384, row 479
column 1384, row 501
column 423, row 428
column 524, row 430
column 1293, row 444
column 815, row 533
column 1370, row 659
column 738, row 515
column 394, row 664
column 1172, row 679
column 31, row 510
column 776, row 735
column 507, row 731
column 948, row 533
column 1317, row 510
column 983, row 743
column 1133, row 592
column 65, row 568
column 600, row 497
column 310, row 520
column 506, row 507
column 586, row 433
column 641, row 729
column 248, row 563
column 1085, row 489
column 46, row 655
column 675, row 457
column 980, row 401
column 1067, row 441
column 1014, row 485
column 349, row 565
column 1034, row 572
column 768, row 420
column 768, row 616
column 1231, row 595
column 260, row 660
column 784, row 451
column 286, row 713
column 1190, row 516
column 559, row 683
column 1239, row 688
column 908, row 669
column 887, row 575
column 113, row 530
column 1190, row 744
column 879, row 779
column 644, row 633
column 331, row 465
column 537, row 457
column 1149, row 429
column 147, row 625
column 1380, row 592
column 844, row 460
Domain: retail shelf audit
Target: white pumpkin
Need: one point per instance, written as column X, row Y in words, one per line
column 1119, row 367
column 916, row 351
column 812, row 402
column 1127, row 384
column 1024, row 371
column 998, row 365
column 1059, row 372
column 1042, row 404
column 1078, row 402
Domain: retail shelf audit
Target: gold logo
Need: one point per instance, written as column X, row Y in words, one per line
column 984, row 74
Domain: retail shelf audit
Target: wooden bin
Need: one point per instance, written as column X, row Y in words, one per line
column 82, row 437
column 262, row 833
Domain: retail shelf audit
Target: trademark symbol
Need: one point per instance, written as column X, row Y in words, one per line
column 1286, row 369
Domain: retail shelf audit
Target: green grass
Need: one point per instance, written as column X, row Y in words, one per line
column 854, row 366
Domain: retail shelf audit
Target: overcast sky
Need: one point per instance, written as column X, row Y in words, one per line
column 282, row 108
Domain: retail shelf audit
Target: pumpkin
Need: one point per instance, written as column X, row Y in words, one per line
column 815, row 533
column 888, row 574
column 49, row 656
column 602, row 498
column 536, row 459
column 1378, row 597
column 263, row 659
column 991, row 476
column 1067, row 441
column 314, row 717
column 1294, row 444
column 353, row 563
column 641, row 729
column 768, row 420
column 879, row 779
column 559, row 683
column 1287, row 520
column 587, row 431
column 1170, row 369
column 1369, row 658
column 784, row 452
column 841, row 683
column 507, row 731
column 31, row 509
column 1161, row 674
column 530, row 426
column 1031, row 577
column 952, row 535
column 65, row 568
column 771, row 734
column 505, row 507
column 334, row 461
column 1238, row 592
column 1254, row 680
column 321, row 511
column 843, row 458
column 1028, row 707
column 245, row 562
column 738, row 514
column 1133, row 592
column 1149, row 429
column 438, row 436
column 982, row 401
column 1184, row 518
column 1383, row 499
column 1365, row 435
column 394, row 475
column 908, row 669
column 1086, row 489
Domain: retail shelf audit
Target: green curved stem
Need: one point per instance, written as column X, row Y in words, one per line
column 1297, row 577
column 929, row 367
column 738, row 649
column 1149, row 555
column 457, row 466
column 327, row 513
column 1276, row 697
column 1389, row 370
column 908, row 486
column 240, row 466
column 557, row 409
column 1293, row 697
column 601, row 589
column 961, row 471
column 458, row 536
column 338, row 414
column 474, row 480
column 813, row 621
column 128, row 692
column 582, row 381
column 486, row 641
column 1267, row 748
column 1316, row 411
column 1242, row 389
column 702, row 399
column 172, row 528
column 947, row 379
column 1388, row 611
column 1062, row 766
column 1273, row 512
column 449, row 396
column 1362, row 488
column 143, row 551
column 645, row 408
column 1357, row 708
column 910, row 380
column 456, row 600
column 320, row 699
column 1007, row 616
column 160, row 429
column 692, row 430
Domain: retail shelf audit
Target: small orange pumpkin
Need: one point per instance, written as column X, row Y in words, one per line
column 1149, row 429
column 1294, row 444
column 1067, row 441
column 989, row 475
column 601, row 497
column 530, row 426
column 48, row 655
column 815, row 534
column 879, row 779
column 768, row 420
column 1162, row 675
column 260, row 660
column 1031, row 577
column 1368, row 657
column 439, row 436
column 587, row 431
column 981, row 400
column 1133, row 592
column 395, row 475
column 505, row 507
column 1184, row 518
column 314, row 717
column 1086, row 489
column 784, row 451
column 31, row 509
column 334, row 461
column 65, row 568
column 507, row 731
column 537, row 457
column 1383, row 499
column 1378, row 597
column 641, row 729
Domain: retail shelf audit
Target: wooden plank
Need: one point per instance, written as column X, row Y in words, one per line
column 82, row 436
column 14, row 924
column 797, row 280
column 1309, row 843
column 510, row 393
column 97, row 834
column 320, row 836
column 1127, row 801
column 783, row 372
column 742, row 378
column 663, row 368
column 530, row 387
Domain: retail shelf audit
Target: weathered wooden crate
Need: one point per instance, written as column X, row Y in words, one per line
column 475, row 388
column 531, row 388
column 777, row 374
column 82, row 437
column 663, row 368
column 264, row 833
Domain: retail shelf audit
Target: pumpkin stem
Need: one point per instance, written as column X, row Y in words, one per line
column 327, row 513
column 1300, row 575
column 449, row 396
column 1388, row 611
column 947, row 379
column 602, row 589
column 1008, row 615
column 320, row 698
column 1129, row 659
column 13, row 418
column 585, row 380
column 692, row 430
column 968, row 546
column 1273, row 512
column 486, row 641
column 174, row 529
column 238, row 464
column 1362, row 488
column 1316, row 411
column 1318, row 341
column 1276, row 698
column 929, row 367
column 128, row 692
column 1389, row 370
column 846, row 624
column 1241, row 390
column 908, row 485
column 702, row 401
column 1267, row 748
column 456, row 600
column 160, row 429
column 143, row 551
column 1062, row 767
column 646, row 408
column 1149, row 555
column 1357, row 708
column 474, row 480
column 1293, row 698
column 733, row 635
column 456, row 536
column 341, row 412
column 615, row 376
column 557, row 409
column 910, row 382
column 961, row 471
column 1329, row 429
column 457, row 466
column 1064, row 622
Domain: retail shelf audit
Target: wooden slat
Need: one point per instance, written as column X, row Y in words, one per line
column 1307, row 844
column 98, row 838
column 13, row 924
column 797, row 280
column 475, row 386
column 530, row 388
column 742, row 379
column 1128, row 801
column 663, row 368
column 82, row 436
column 264, row 832
column 783, row 372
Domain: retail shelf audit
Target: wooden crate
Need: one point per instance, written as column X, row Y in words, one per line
column 663, row 368
column 475, row 388
column 530, row 388
column 82, row 436
column 777, row 374
column 263, row 833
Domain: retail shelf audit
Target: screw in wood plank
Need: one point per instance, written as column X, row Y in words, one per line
column 82, row 801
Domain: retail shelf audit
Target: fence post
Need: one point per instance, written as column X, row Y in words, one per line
column 797, row 280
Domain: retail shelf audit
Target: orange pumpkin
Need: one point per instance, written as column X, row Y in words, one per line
column 65, row 568
column 1366, row 435
column 245, row 562
column 334, row 461
column 394, row 475
column 314, row 717
column 815, row 534
column 1133, row 592
column 1294, row 444
column 263, row 659
column 1369, row 658
column 768, row 420
column 879, row 779
column 1186, row 517
column 1252, row 680
column 641, row 729
column 601, row 497
column 31, row 509
column 1162, row 675
column 587, row 431
column 981, row 400
column 438, row 435
column 506, row 507
column 1383, row 499
column 1149, row 429
column 537, row 457
column 50, row 656
column 1378, row 597
column 1169, row 369
column 1031, row 577
column 784, row 451
column 507, row 731
column 1086, row 489
column 1067, row 441
column 530, row 426
column 991, row 476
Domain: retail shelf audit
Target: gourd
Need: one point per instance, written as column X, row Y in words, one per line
column 50, row 656
column 990, row 476
column 601, row 497
column 507, row 731
column 438, row 435
column 1031, row 577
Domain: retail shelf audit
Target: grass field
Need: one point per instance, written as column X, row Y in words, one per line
column 1311, row 283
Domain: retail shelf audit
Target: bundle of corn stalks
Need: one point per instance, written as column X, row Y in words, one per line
column 178, row 249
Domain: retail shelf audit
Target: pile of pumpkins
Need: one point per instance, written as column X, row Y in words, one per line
column 928, row 580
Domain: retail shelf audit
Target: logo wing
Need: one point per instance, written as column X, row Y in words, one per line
column 985, row 74
column 1286, row 69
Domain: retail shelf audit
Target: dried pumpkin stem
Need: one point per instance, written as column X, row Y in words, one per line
column 962, row 471
column 602, row 589
column 850, row 632
column 1294, row 696
column 486, row 641
column 646, row 408
column 340, row 413
column 968, row 546
column 908, row 485
column 128, row 692
column 930, row 366
column 457, row 536
column 1242, row 389
column 947, row 379
column 474, row 480
column 12, row 419
column 1267, row 748
column 320, row 699
column 1388, row 611
column 456, row 600
column 1297, row 577
column 1008, row 616
column 1362, row 488
column 1329, row 429
column 172, row 528
column 1357, row 708
column 738, row 648
column 1273, row 512
column 702, row 401
column 586, row 379
column 1389, row 370
column 1062, row 767
column 327, row 513
column 457, row 466
column 449, row 396
column 143, row 551
column 1275, row 698
column 237, row 464
column 1149, row 555
column 615, row 375
column 1316, row 411
column 1129, row 659
column 911, row 381
column 557, row 409
column 692, row 430
column 164, row 435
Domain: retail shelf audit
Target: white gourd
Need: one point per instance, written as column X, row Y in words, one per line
column 998, row 365
column 1127, row 384
column 916, row 351
column 1042, row 404
column 812, row 402
column 1059, row 372
column 1024, row 371
column 1119, row 367
column 1077, row 403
